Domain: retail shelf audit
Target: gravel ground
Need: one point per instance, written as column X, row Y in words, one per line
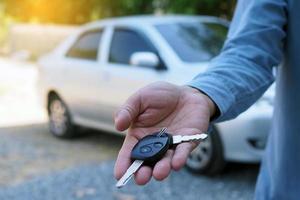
column 96, row 182
column 35, row 165
column 30, row 150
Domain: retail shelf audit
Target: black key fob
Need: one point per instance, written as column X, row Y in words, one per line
column 151, row 148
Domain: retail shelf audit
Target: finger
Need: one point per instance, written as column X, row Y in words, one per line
column 143, row 175
column 123, row 161
column 163, row 168
column 181, row 154
column 128, row 112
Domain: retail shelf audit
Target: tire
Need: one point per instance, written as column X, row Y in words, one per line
column 208, row 157
column 60, row 121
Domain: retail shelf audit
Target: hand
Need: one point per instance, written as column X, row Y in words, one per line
column 182, row 109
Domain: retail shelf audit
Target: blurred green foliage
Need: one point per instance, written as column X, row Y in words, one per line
column 82, row 11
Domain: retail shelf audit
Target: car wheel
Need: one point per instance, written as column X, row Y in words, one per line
column 208, row 157
column 60, row 123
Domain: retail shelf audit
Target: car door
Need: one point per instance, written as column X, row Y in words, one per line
column 83, row 76
column 123, row 78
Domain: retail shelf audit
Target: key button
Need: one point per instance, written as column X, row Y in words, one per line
column 145, row 149
column 158, row 144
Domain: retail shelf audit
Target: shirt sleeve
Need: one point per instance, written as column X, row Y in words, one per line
column 243, row 71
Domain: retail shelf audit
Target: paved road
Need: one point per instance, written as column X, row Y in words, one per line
column 35, row 165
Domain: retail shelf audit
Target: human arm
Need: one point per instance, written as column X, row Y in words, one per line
column 243, row 71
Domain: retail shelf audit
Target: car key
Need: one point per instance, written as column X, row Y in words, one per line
column 134, row 166
column 152, row 148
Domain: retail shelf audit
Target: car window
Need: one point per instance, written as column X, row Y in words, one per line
column 86, row 46
column 194, row 41
column 125, row 42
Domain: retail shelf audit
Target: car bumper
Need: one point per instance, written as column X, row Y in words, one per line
column 244, row 138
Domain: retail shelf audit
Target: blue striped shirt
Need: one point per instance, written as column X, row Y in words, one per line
column 264, row 34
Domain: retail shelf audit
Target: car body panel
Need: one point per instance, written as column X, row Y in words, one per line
column 236, row 134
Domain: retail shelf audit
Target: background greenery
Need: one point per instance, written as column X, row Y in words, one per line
column 82, row 11
column 76, row 12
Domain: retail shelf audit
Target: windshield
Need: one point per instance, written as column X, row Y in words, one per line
column 194, row 41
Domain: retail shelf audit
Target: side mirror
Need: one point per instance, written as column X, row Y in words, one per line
column 145, row 59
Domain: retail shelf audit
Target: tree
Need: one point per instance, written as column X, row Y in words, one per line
column 82, row 11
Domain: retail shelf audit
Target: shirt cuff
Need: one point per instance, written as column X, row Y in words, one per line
column 217, row 91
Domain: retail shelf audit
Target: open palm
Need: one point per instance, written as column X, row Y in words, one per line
column 183, row 110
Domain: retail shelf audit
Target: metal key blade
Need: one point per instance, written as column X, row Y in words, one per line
column 129, row 173
column 162, row 131
column 187, row 138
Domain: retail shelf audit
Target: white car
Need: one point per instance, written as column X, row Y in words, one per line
column 95, row 70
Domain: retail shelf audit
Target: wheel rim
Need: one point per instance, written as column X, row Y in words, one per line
column 201, row 156
column 58, row 117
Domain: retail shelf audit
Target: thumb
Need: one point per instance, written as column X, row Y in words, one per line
column 128, row 112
